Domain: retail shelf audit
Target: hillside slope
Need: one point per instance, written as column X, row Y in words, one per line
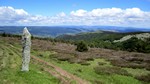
column 102, row 35
column 10, row 65
column 112, row 40
column 141, row 36
column 91, row 36
column 10, row 54
column 57, row 63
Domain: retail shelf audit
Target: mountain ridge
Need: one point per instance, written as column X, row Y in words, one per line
column 54, row 31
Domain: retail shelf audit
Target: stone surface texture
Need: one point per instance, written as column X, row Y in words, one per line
column 26, row 44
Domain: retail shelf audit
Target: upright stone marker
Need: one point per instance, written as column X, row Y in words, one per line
column 26, row 44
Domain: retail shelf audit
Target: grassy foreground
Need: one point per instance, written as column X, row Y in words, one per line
column 10, row 66
column 96, row 71
column 87, row 72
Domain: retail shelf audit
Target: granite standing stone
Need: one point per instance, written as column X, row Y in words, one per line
column 26, row 44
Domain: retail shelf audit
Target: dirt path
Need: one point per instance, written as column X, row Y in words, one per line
column 64, row 76
column 61, row 74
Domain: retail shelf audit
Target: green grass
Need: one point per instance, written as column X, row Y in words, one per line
column 119, row 79
column 10, row 64
column 97, row 62
column 137, row 72
column 34, row 76
column 45, row 54
column 10, row 68
column 87, row 72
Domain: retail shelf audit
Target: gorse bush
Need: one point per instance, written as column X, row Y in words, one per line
column 82, row 46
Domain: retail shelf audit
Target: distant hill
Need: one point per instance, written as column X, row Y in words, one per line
column 141, row 36
column 98, row 35
column 42, row 31
column 112, row 40
column 54, row 31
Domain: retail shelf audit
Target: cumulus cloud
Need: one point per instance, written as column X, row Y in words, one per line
column 133, row 17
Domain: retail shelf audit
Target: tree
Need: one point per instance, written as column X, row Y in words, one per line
column 135, row 44
column 130, row 44
column 4, row 34
column 82, row 46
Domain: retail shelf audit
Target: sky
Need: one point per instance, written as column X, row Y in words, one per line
column 127, row 13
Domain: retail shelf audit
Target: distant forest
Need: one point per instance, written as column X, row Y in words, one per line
column 105, row 40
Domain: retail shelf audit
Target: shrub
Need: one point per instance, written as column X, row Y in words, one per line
column 83, row 62
column 11, row 53
column 148, row 67
column 101, row 63
column 110, row 70
column 89, row 59
column 79, row 70
column 123, row 63
column 98, row 82
column 145, row 78
column 63, row 58
column 41, row 55
column 75, row 60
column 82, row 46
column 4, row 34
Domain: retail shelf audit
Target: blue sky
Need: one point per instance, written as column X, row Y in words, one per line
column 52, row 7
column 133, row 13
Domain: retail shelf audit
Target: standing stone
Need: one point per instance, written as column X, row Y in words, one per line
column 26, row 44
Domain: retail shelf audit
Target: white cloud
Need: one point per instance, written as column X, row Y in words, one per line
column 133, row 17
column 62, row 14
column 79, row 12
column 9, row 15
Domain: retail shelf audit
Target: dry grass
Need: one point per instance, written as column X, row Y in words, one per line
column 67, row 52
column 145, row 78
column 110, row 70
